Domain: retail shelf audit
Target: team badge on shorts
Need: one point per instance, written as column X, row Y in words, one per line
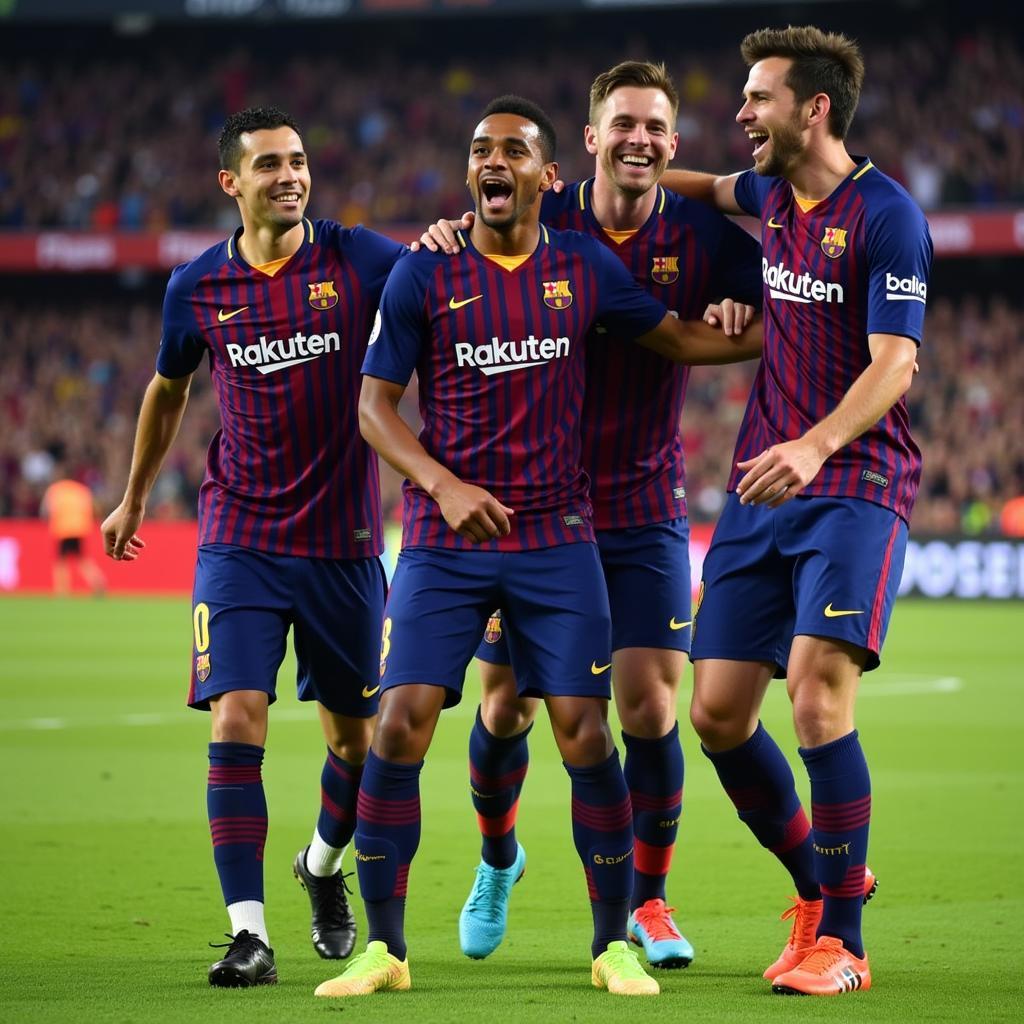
column 665, row 269
column 322, row 295
column 203, row 667
column 492, row 634
column 833, row 242
column 557, row 294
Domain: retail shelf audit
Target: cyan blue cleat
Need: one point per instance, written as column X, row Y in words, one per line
column 485, row 914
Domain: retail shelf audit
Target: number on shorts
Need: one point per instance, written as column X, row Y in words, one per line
column 201, row 626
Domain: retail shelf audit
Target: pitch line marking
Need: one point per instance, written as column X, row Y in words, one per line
column 891, row 688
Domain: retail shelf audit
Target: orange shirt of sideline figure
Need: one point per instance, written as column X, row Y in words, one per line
column 68, row 507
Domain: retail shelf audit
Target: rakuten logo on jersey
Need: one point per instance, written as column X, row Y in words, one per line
column 279, row 354
column 784, row 284
column 902, row 288
column 505, row 356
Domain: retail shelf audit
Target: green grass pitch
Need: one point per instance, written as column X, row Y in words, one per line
column 109, row 893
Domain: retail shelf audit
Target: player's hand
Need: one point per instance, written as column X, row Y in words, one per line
column 440, row 236
column 734, row 316
column 779, row 473
column 120, row 541
column 474, row 513
column 557, row 186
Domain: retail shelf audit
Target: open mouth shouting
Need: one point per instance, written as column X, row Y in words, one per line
column 495, row 194
column 759, row 138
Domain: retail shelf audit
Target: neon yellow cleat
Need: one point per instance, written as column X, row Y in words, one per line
column 374, row 970
column 618, row 970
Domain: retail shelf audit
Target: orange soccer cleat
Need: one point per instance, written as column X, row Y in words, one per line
column 830, row 969
column 806, row 915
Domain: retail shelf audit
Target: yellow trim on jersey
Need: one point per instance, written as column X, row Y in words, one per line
column 271, row 268
column 583, row 201
column 309, row 224
column 864, row 170
column 545, row 235
column 618, row 237
column 807, row 204
column 231, row 245
column 461, row 239
column 508, row 262
column 661, row 205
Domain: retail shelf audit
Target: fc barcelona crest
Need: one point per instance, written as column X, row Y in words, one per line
column 557, row 294
column 322, row 295
column 203, row 667
column 492, row 634
column 665, row 269
column 833, row 242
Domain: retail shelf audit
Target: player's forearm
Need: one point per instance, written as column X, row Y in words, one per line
column 696, row 343
column 389, row 436
column 159, row 418
column 882, row 384
column 714, row 190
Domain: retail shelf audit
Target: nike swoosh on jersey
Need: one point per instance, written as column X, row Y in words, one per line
column 835, row 613
column 367, row 692
column 672, row 624
column 772, row 224
column 597, row 670
column 222, row 316
column 454, row 304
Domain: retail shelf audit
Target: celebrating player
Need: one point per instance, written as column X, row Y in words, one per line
column 686, row 255
column 806, row 558
column 496, row 513
column 289, row 513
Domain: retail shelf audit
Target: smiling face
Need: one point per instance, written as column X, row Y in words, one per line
column 772, row 118
column 272, row 181
column 634, row 138
column 507, row 171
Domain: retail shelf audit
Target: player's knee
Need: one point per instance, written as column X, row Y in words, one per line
column 238, row 720
column 650, row 716
column 718, row 726
column 351, row 739
column 504, row 718
column 587, row 743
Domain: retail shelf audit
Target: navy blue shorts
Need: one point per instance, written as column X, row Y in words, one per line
column 647, row 572
column 440, row 602
column 243, row 604
column 815, row 566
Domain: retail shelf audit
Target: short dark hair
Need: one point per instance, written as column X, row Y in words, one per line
column 822, row 62
column 643, row 74
column 252, row 119
column 520, row 107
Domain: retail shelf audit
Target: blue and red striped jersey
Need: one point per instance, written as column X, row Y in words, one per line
column 685, row 255
column 288, row 472
column 501, row 359
column 856, row 264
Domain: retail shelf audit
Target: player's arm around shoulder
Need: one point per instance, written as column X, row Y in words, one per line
column 733, row 333
column 163, row 405
column 717, row 190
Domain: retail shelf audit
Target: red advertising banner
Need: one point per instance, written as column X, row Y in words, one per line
column 28, row 551
column 989, row 233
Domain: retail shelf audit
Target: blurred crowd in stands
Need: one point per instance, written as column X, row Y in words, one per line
column 126, row 139
column 71, row 380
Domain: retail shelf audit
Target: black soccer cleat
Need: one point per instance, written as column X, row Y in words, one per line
column 333, row 928
column 249, row 961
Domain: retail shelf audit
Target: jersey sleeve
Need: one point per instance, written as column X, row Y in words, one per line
column 374, row 255
column 899, row 250
column 393, row 349
column 623, row 306
column 751, row 190
column 181, row 343
column 736, row 272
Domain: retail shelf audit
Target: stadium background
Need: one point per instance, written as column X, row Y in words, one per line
column 109, row 111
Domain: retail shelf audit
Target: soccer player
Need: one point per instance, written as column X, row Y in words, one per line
column 289, row 513
column 70, row 512
column 685, row 254
column 496, row 513
column 806, row 558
